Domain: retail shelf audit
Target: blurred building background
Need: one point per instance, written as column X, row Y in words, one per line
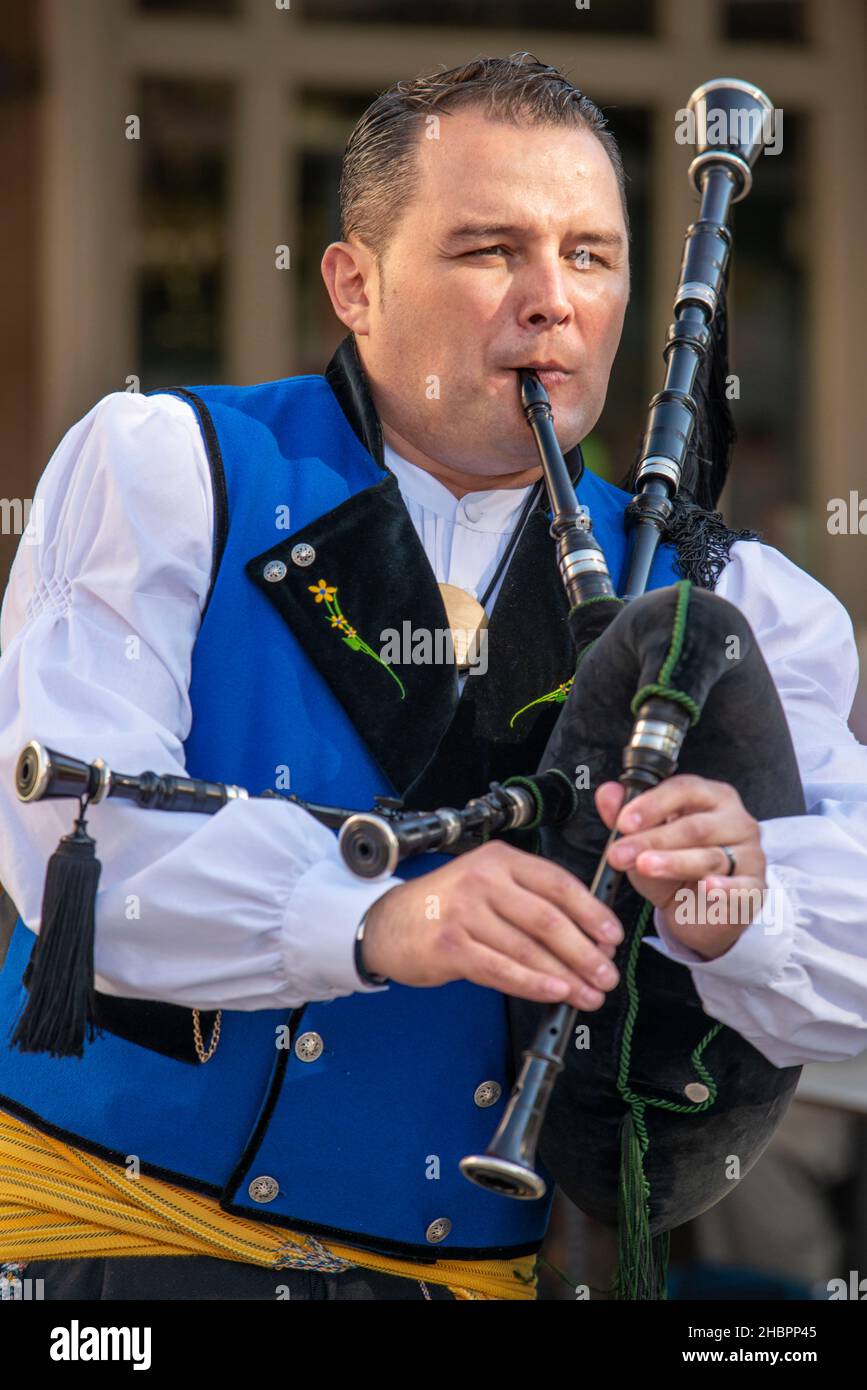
column 152, row 259
column 132, row 263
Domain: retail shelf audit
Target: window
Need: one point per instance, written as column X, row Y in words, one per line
column 611, row 448
column 326, row 121
column 768, row 347
column 180, row 249
column 772, row 21
column 206, row 9
column 599, row 17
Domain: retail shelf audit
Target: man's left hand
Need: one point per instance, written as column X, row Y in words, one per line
column 671, row 839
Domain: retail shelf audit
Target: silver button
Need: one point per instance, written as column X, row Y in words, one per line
column 274, row 571
column 438, row 1230
column 472, row 511
column 488, row 1093
column 263, row 1189
column 696, row 1092
column 303, row 554
column 308, row 1047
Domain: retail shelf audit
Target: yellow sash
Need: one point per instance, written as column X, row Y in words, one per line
column 58, row 1202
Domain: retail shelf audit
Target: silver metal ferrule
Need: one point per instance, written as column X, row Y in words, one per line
column 388, row 842
column 659, row 735
column 658, row 467
column 103, row 786
column 504, row 1176
column 451, row 823
column 43, row 771
column 234, row 793
column 740, row 84
column 696, row 292
column 740, row 166
column 524, row 804
column 583, row 562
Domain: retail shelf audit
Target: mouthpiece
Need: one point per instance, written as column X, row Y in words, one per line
column 533, row 392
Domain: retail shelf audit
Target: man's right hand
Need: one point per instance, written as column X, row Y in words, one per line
column 499, row 917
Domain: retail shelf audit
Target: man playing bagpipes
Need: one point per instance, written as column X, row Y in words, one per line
column 265, row 1076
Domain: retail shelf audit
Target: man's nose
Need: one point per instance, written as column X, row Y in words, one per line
column 544, row 297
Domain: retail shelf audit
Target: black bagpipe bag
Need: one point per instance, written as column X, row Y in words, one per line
column 625, row 1088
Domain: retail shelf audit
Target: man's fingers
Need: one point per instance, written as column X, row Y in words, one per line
column 508, row 940
column 609, row 799
column 569, row 895
column 539, row 920
column 690, row 865
column 701, row 828
column 702, row 831
column 675, row 796
column 485, row 966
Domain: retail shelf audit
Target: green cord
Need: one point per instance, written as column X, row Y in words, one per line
column 597, row 598
column 661, row 686
column 644, row 1258
column 667, row 692
column 631, row 1097
column 684, row 587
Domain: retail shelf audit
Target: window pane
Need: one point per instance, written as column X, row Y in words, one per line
column 611, row 447
column 180, row 246
column 770, row 279
column 610, row 17
column 208, row 9
column 326, row 121
column 778, row 21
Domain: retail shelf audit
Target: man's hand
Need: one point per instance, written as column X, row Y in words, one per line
column 501, row 918
column 671, row 841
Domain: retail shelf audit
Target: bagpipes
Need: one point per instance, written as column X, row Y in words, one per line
column 647, row 1087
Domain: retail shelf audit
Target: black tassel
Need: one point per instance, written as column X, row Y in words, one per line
column 60, row 1009
column 703, row 541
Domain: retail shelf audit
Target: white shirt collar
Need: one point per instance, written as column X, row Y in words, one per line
column 494, row 509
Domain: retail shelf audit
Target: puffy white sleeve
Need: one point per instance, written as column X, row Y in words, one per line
column 796, row 985
column 251, row 908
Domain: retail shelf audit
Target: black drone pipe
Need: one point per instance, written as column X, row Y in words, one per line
column 372, row 843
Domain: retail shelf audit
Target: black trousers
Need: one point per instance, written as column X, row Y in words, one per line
column 192, row 1277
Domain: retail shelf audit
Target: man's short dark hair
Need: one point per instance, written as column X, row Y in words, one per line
column 380, row 166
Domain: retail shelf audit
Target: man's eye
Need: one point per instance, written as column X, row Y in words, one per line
column 486, row 251
column 583, row 256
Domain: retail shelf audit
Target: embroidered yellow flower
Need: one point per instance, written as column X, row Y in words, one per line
column 323, row 591
column 327, row 593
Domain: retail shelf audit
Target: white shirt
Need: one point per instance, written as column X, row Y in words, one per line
column 253, row 908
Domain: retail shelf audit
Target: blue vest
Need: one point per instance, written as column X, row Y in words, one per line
column 363, row 1142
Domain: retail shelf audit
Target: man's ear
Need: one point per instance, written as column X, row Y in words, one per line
column 349, row 269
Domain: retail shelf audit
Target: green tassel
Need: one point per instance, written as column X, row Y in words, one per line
column 642, row 1258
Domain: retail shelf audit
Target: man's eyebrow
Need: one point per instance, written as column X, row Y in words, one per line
column 477, row 231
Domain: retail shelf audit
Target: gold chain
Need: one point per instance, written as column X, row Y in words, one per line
column 202, row 1055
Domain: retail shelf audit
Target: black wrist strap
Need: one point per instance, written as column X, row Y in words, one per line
column 360, row 970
